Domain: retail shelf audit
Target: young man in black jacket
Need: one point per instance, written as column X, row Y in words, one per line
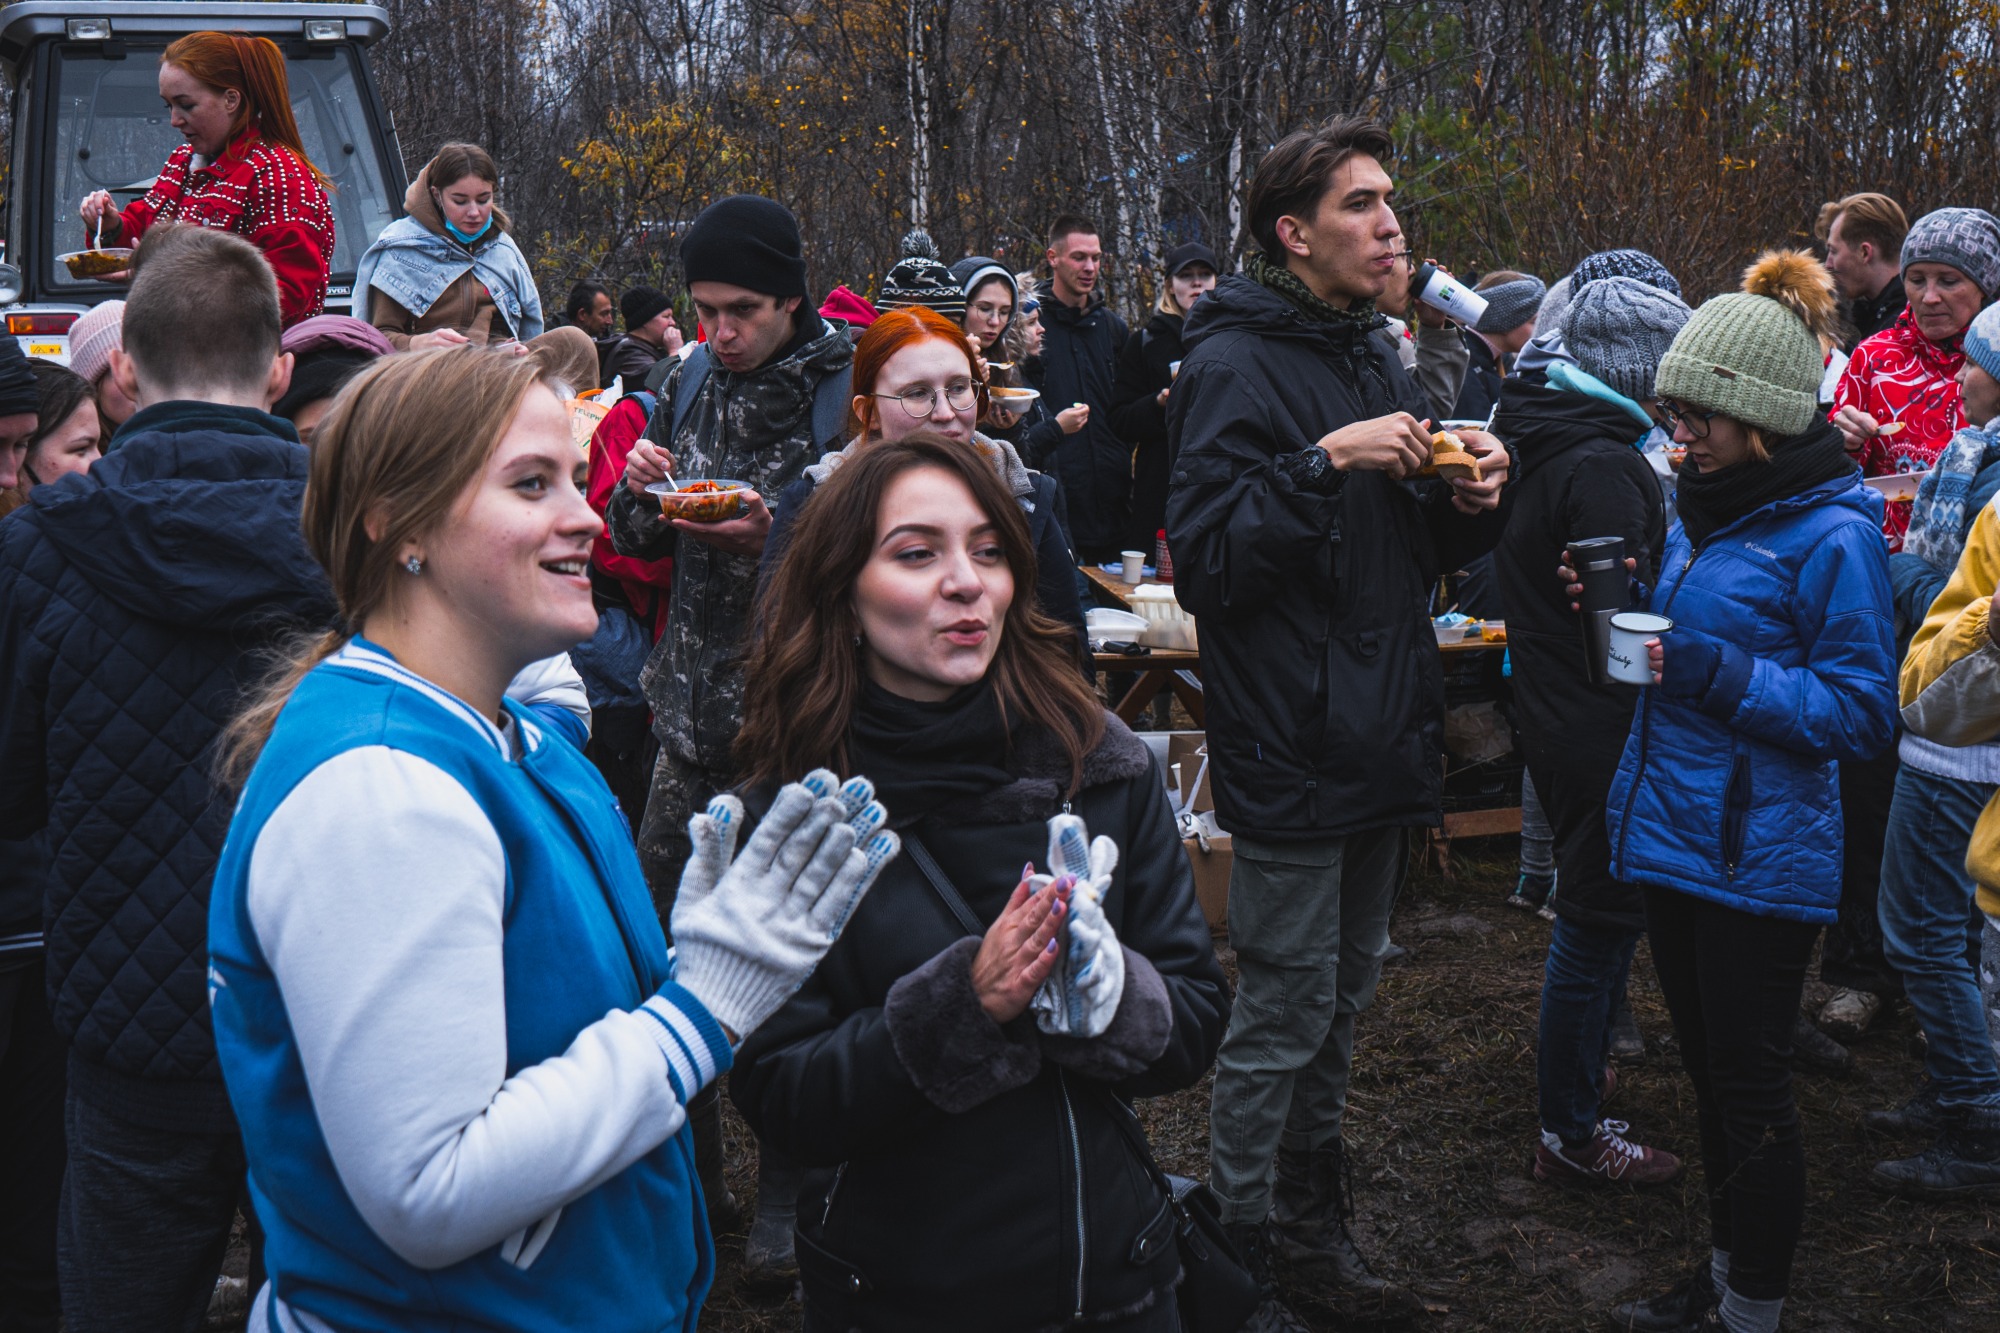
column 1578, row 474
column 137, row 603
column 1306, row 546
column 1080, row 345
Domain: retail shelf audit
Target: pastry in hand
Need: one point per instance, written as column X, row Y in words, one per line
column 1450, row 459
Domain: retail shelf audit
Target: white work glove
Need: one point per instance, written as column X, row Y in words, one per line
column 1081, row 996
column 749, row 929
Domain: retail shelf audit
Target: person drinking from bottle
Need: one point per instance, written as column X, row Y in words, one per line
column 956, row 1075
column 453, row 1034
column 1780, row 663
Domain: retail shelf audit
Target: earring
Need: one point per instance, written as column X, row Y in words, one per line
column 415, row 564
column 857, row 641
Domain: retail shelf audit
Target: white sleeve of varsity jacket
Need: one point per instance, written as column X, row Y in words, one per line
column 553, row 687
column 376, row 892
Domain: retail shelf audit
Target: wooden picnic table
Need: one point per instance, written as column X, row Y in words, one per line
column 1180, row 672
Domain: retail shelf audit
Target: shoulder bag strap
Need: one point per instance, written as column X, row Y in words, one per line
column 941, row 882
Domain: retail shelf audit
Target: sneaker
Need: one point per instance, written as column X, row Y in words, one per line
column 1678, row 1311
column 1963, row 1164
column 1918, row 1115
column 1814, row 1050
column 1849, row 1014
column 1628, row 1044
column 1531, row 892
column 1608, row 1159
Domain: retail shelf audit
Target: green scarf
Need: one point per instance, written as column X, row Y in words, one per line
column 1358, row 319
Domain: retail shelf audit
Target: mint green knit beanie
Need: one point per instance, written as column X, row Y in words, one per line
column 1756, row 355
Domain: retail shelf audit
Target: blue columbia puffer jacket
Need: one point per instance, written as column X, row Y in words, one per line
column 137, row 606
column 1728, row 788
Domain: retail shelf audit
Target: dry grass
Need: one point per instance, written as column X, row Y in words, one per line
column 1443, row 1120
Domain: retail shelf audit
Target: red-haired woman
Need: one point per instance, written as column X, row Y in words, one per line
column 913, row 370
column 242, row 168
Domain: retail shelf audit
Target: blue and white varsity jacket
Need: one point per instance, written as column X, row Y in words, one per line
column 449, row 1027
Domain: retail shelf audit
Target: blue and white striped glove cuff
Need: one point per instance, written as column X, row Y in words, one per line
column 696, row 1047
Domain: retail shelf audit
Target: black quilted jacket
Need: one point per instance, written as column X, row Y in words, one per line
column 135, row 604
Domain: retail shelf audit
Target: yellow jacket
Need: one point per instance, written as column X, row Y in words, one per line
column 1951, row 682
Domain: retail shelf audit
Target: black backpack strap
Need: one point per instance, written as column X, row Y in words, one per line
column 687, row 389
column 832, row 398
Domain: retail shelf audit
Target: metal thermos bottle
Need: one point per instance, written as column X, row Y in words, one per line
column 1600, row 566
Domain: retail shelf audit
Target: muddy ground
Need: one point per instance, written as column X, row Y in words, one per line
column 1443, row 1121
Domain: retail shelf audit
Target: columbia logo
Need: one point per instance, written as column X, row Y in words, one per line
column 1764, row 551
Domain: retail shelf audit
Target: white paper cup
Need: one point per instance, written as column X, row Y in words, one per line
column 1626, row 660
column 1439, row 290
column 1133, row 567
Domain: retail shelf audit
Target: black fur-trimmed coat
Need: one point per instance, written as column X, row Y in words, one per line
column 968, row 1174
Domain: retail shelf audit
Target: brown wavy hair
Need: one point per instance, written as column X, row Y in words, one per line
column 401, row 443
column 805, row 669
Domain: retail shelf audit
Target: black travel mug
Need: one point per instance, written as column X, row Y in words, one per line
column 1599, row 563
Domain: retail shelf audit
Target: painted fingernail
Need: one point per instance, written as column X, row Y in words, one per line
column 1027, row 869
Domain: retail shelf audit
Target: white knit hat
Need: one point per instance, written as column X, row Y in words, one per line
column 92, row 337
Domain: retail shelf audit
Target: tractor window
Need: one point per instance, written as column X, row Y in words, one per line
column 112, row 134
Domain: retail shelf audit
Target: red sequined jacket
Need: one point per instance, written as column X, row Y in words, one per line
column 260, row 191
column 1900, row 375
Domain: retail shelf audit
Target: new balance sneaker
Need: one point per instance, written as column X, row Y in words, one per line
column 1609, row 1158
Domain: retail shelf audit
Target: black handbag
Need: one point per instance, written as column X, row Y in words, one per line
column 1217, row 1293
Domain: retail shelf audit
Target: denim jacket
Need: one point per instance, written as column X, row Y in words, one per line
column 414, row 265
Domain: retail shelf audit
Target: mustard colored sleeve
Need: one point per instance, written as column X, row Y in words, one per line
column 1951, row 678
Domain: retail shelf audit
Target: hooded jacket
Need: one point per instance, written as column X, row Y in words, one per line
column 755, row 427
column 1483, row 378
column 135, row 602
column 1326, row 691
column 420, row 278
column 963, row 1166
column 1734, row 796
column 1577, row 474
column 1079, row 363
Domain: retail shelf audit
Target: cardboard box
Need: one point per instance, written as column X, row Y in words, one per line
column 1185, row 758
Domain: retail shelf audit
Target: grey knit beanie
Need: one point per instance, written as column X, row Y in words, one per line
column 1621, row 264
column 1968, row 239
column 1619, row 328
column 1509, row 305
column 1554, row 304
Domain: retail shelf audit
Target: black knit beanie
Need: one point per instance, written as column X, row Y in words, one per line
column 748, row 241
column 18, row 390
column 641, row 304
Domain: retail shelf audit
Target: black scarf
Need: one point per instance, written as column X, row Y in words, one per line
column 1710, row 501
column 921, row 756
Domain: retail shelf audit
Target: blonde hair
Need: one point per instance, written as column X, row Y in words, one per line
column 401, row 443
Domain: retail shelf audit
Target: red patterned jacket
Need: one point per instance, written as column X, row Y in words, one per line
column 1900, row 375
column 260, row 191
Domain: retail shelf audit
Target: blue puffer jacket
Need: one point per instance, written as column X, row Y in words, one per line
column 136, row 605
column 1781, row 662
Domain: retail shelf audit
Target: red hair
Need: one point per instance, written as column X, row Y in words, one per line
column 254, row 67
column 891, row 332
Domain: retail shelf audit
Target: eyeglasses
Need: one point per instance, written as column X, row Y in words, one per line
column 1696, row 422
column 921, row 402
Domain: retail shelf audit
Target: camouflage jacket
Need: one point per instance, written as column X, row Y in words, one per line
column 755, row 427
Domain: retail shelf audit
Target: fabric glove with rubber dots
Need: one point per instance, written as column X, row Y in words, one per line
column 1081, row 996
column 750, row 927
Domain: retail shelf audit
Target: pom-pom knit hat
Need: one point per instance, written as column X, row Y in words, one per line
column 1757, row 355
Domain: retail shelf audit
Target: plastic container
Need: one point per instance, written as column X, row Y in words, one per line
column 703, row 499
